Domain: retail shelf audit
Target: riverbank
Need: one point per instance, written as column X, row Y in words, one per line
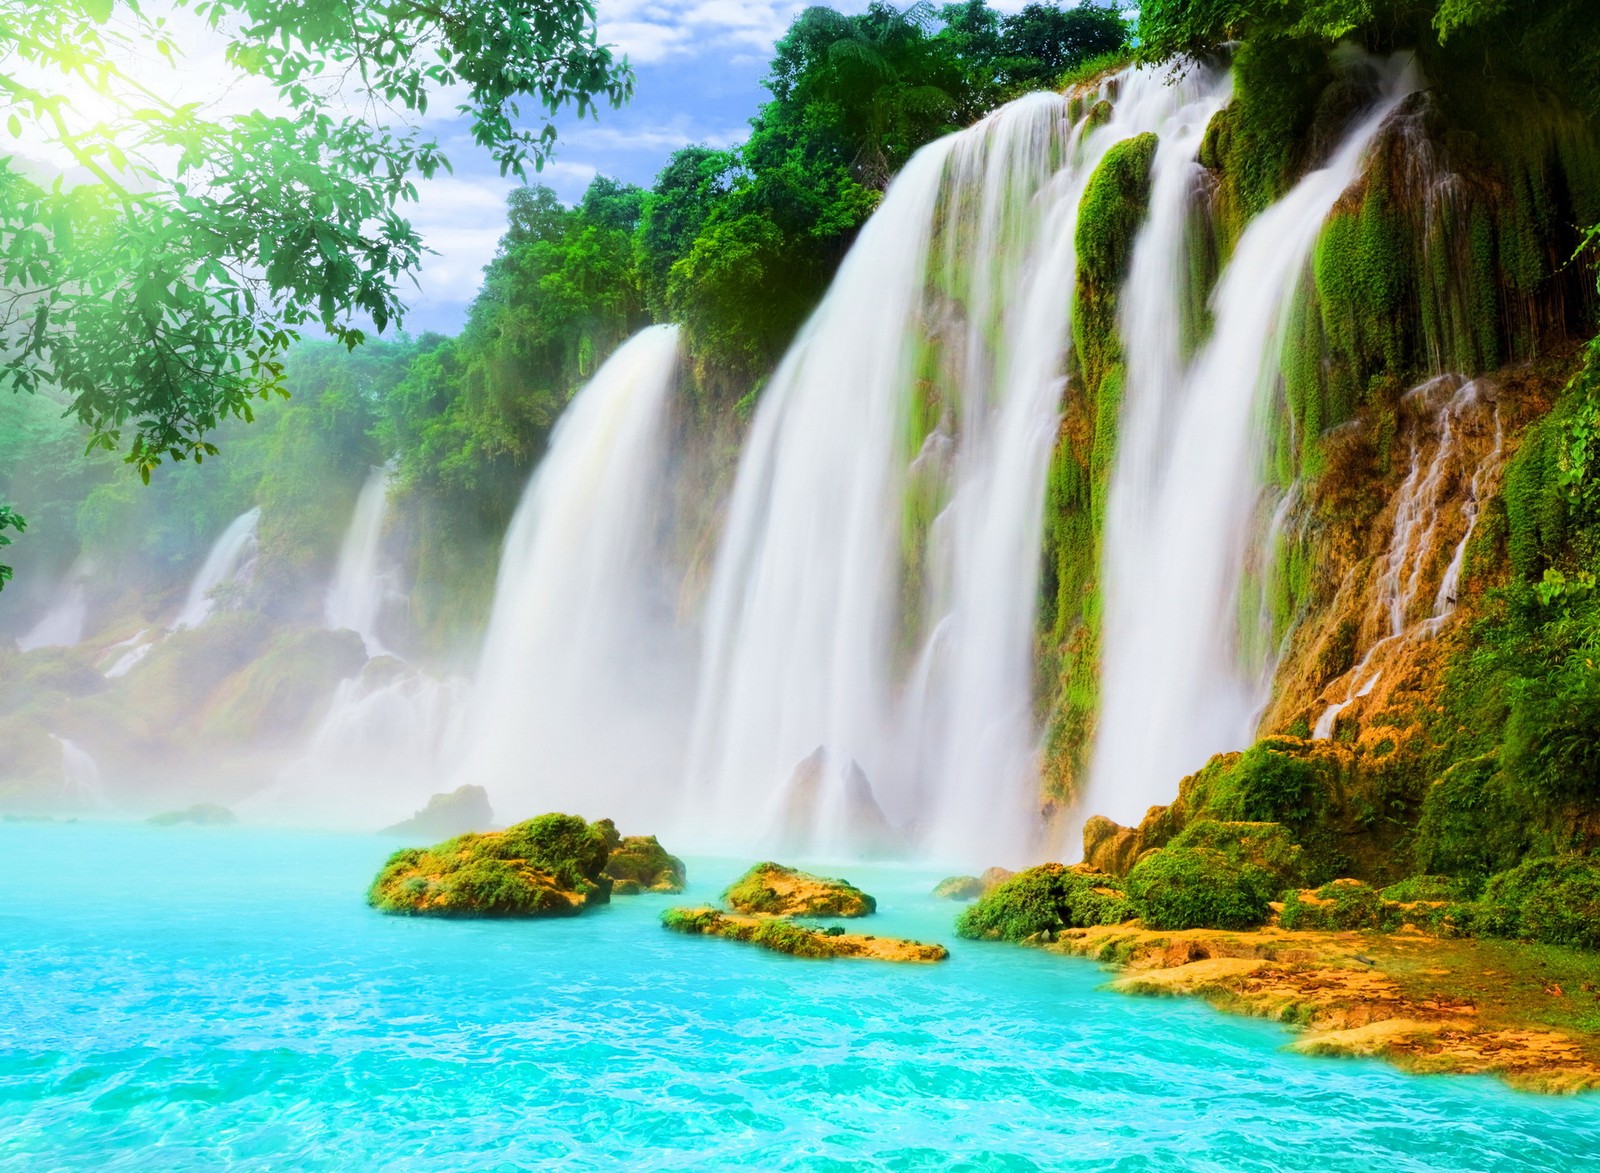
column 1528, row 1014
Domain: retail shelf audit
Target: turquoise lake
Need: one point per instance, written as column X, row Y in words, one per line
column 197, row 998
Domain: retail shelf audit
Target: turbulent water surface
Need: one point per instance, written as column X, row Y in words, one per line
column 195, row 998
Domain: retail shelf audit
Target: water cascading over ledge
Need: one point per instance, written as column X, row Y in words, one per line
column 868, row 667
column 1178, row 680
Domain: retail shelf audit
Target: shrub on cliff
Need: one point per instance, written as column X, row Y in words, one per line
column 1198, row 888
column 1554, row 900
column 1044, row 899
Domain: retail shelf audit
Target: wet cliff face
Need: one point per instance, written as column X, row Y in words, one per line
column 1421, row 588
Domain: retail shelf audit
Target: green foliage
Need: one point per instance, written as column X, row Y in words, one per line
column 239, row 231
column 1268, row 785
column 1554, row 900
column 640, row 864
column 1198, row 888
column 547, row 866
column 9, row 519
column 1470, row 825
column 1043, row 899
column 1267, row 846
column 1341, row 906
column 771, row 889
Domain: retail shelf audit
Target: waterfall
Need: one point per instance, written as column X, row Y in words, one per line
column 577, row 694
column 360, row 584
column 80, row 776
column 1175, row 686
column 62, row 625
column 1419, row 533
column 874, row 594
column 228, row 558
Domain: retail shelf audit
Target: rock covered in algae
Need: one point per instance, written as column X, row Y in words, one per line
column 466, row 808
column 640, row 864
column 553, row 865
column 1043, row 900
column 784, row 936
column 770, row 889
column 958, row 888
column 204, row 814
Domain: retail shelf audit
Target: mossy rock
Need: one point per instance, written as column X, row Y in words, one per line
column 1044, row 899
column 770, row 889
column 464, row 809
column 781, row 935
column 1340, row 906
column 1267, row 846
column 958, row 888
column 204, row 814
column 1554, row 900
column 549, row 866
column 640, row 864
column 1198, row 888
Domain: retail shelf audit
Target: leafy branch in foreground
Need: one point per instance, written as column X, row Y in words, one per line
column 159, row 290
column 8, row 520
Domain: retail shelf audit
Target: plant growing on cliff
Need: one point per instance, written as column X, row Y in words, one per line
column 1043, row 899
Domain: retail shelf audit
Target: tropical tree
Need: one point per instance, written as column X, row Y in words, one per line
column 155, row 279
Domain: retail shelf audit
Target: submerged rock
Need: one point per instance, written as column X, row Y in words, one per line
column 549, row 866
column 466, row 808
column 958, row 888
column 770, row 889
column 204, row 814
column 640, row 864
column 784, row 936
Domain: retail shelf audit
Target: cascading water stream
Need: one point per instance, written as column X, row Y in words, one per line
column 227, row 559
column 361, row 584
column 579, row 692
column 1175, row 688
column 926, row 385
column 62, row 625
column 1414, row 539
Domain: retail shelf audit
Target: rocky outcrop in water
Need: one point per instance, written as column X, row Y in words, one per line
column 770, row 889
column 784, row 936
column 204, row 814
column 640, row 864
column 466, row 808
column 553, row 865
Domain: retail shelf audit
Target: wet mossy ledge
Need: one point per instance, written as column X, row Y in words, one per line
column 553, row 865
column 782, row 935
column 767, row 898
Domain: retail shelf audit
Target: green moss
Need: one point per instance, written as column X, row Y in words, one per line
column 1263, row 845
column 1198, row 888
column 1341, row 906
column 1043, row 899
column 1554, row 901
column 548, row 866
column 1470, row 826
column 771, row 889
column 640, row 864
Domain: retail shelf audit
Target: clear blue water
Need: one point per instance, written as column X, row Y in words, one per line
column 189, row 998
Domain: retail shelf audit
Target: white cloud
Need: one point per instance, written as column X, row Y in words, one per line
column 652, row 30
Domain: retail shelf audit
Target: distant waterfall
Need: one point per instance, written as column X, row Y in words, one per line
column 360, row 584
column 1176, row 685
column 578, row 704
column 62, row 625
column 80, row 777
column 876, row 587
column 228, row 558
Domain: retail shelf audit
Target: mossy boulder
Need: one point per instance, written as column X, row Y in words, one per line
column 1267, row 846
column 464, row 809
column 770, row 889
column 1044, row 899
column 1554, row 901
column 204, row 814
column 1198, row 888
column 549, row 866
column 640, row 864
column 1340, row 906
column 785, row 936
column 958, row 888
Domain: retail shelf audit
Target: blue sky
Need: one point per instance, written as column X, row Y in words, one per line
column 699, row 65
